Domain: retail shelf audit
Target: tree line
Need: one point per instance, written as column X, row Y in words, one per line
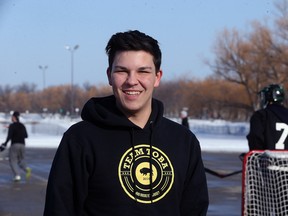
column 244, row 63
column 210, row 98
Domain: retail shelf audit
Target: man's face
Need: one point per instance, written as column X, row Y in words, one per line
column 133, row 78
column 13, row 118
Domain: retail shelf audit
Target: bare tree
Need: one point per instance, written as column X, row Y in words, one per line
column 253, row 60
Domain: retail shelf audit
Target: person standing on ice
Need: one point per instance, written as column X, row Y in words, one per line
column 125, row 157
column 17, row 133
column 184, row 118
column 269, row 125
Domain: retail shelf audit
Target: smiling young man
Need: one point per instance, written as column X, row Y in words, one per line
column 125, row 157
column 133, row 77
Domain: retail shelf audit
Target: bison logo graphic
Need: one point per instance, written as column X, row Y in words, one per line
column 145, row 171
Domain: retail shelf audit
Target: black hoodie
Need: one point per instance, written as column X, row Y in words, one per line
column 106, row 165
column 268, row 127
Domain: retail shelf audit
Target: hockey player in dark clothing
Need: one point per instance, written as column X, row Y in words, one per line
column 269, row 125
column 184, row 118
column 125, row 157
column 17, row 134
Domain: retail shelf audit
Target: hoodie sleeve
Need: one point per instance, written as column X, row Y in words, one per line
column 68, row 180
column 195, row 198
column 256, row 134
column 9, row 134
column 25, row 134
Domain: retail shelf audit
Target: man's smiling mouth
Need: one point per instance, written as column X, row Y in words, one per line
column 132, row 92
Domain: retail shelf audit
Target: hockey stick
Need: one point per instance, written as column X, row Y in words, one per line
column 221, row 175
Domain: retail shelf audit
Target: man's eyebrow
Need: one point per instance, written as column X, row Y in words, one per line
column 120, row 67
column 145, row 68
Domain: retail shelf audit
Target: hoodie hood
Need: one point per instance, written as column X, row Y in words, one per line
column 104, row 112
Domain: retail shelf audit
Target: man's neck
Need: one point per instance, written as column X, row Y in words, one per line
column 140, row 120
column 139, row 117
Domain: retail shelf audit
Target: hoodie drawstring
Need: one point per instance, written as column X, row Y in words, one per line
column 133, row 168
column 150, row 159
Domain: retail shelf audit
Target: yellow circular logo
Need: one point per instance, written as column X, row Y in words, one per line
column 146, row 174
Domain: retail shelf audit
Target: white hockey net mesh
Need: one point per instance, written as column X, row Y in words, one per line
column 265, row 183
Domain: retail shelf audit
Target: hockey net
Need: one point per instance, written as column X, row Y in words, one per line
column 265, row 183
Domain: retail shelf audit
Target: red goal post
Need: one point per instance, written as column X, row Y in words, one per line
column 265, row 183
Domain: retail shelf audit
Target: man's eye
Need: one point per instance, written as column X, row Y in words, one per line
column 144, row 71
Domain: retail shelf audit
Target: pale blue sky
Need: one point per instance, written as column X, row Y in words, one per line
column 35, row 32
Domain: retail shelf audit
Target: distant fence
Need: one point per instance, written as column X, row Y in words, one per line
column 47, row 128
column 220, row 127
column 38, row 128
column 54, row 125
column 36, row 124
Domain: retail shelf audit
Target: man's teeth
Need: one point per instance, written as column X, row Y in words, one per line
column 132, row 92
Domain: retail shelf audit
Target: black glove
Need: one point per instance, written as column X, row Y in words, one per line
column 242, row 155
column 2, row 147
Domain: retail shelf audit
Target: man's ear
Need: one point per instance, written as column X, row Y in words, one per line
column 158, row 78
column 108, row 73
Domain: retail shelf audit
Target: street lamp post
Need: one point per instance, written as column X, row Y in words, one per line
column 72, row 50
column 43, row 69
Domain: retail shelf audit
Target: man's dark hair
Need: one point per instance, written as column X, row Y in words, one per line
column 133, row 41
column 16, row 114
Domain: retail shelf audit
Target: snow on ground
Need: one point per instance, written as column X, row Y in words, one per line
column 213, row 135
column 223, row 144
